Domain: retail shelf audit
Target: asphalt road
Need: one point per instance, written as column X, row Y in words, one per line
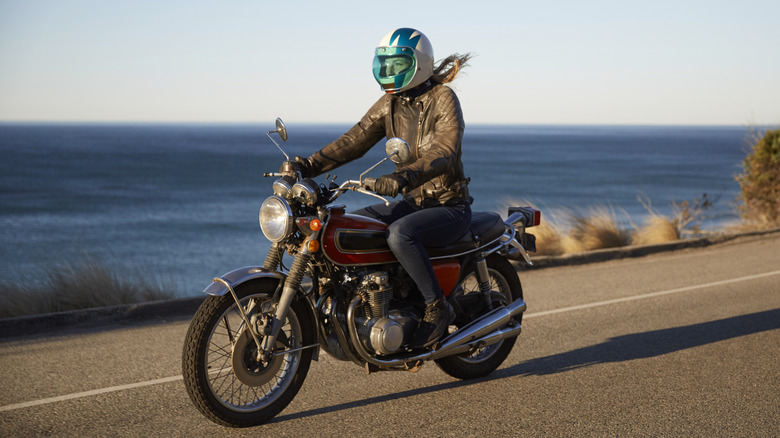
column 684, row 343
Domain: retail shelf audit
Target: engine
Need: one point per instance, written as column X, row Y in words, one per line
column 382, row 328
column 384, row 325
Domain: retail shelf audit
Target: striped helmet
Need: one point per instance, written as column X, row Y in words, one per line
column 403, row 60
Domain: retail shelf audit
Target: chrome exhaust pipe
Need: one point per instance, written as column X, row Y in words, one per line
column 490, row 339
column 488, row 329
column 482, row 330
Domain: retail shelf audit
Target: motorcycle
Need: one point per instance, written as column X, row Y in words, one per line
column 250, row 343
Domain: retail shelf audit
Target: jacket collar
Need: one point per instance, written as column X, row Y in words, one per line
column 416, row 92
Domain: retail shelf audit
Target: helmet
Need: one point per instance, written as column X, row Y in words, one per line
column 403, row 60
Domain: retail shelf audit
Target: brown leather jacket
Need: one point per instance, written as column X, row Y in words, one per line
column 429, row 118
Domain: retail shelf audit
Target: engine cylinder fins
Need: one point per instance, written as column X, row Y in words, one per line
column 380, row 292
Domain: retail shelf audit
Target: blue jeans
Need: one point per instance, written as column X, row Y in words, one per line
column 412, row 228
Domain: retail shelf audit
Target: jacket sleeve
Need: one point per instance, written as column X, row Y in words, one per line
column 355, row 142
column 444, row 152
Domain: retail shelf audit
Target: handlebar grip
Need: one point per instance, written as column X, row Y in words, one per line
column 369, row 183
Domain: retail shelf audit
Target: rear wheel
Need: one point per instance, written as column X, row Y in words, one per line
column 222, row 374
column 505, row 287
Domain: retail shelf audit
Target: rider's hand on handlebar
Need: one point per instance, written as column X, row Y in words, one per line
column 390, row 185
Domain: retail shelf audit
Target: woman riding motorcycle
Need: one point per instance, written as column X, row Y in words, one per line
column 436, row 206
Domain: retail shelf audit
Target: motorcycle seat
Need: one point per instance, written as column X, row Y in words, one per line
column 485, row 228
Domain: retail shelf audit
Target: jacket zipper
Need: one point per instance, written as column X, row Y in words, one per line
column 419, row 127
column 419, row 139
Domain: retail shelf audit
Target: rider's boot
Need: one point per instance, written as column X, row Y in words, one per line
column 438, row 316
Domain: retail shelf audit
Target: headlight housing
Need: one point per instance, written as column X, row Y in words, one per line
column 276, row 219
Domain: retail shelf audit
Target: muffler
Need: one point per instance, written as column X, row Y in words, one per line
column 481, row 331
column 488, row 329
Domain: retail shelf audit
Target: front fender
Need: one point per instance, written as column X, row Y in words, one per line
column 239, row 276
column 242, row 275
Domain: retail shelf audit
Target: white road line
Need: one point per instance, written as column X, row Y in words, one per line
column 645, row 296
column 76, row 395
column 44, row 401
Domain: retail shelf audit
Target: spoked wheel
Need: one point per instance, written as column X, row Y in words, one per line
column 505, row 287
column 223, row 375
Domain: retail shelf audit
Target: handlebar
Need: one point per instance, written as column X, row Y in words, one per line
column 365, row 187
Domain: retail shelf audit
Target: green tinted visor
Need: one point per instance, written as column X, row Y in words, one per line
column 394, row 67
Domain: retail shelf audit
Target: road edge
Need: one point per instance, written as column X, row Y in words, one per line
column 184, row 308
column 607, row 254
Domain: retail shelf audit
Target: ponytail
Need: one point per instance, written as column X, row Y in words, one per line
column 449, row 67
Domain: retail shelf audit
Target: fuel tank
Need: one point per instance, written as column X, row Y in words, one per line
column 352, row 240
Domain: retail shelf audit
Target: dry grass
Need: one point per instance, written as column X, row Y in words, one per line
column 656, row 229
column 80, row 285
column 599, row 229
column 548, row 238
column 565, row 232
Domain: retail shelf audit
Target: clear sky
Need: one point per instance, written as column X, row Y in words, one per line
column 585, row 62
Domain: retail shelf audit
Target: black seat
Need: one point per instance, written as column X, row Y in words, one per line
column 485, row 227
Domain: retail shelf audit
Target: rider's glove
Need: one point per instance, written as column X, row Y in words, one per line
column 390, row 185
column 301, row 165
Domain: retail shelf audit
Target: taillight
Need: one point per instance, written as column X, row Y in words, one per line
column 524, row 216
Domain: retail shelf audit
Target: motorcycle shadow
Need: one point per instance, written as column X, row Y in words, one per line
column 619, row 349
column 648, row 344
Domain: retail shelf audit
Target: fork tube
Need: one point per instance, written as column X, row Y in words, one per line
column 273, row 258
column 291, row 286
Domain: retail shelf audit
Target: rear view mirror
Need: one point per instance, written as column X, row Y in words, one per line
column 398, row 150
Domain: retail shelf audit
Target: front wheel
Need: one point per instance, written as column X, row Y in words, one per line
column 505, row 287
column 221, row 372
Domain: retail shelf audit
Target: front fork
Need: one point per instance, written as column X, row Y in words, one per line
column 291, row 287
column 292, row 284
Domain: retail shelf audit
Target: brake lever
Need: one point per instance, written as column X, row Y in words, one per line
column 366, row 192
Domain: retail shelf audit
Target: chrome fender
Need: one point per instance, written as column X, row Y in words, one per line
column 239, row 276
column 242, row 275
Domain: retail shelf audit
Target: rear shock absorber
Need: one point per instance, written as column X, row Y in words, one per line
column 483, row 278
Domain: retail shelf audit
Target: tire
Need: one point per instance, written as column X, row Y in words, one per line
column 479, row 363
column 251, row 392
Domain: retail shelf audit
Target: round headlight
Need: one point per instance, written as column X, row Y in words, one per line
column 283, row 187
column 276, row 218
column 306, row 192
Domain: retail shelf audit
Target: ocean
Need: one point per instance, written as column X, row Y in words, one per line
column 179, row 201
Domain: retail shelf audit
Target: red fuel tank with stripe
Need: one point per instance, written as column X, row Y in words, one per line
column 350, row 239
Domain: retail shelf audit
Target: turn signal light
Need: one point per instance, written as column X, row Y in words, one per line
column 315, row 225
column 314, row 245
